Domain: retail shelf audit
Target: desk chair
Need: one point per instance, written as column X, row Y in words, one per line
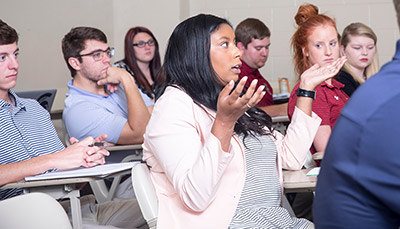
column 99, row 188
column 145, row 194
column 44, row 97
column 33, row 210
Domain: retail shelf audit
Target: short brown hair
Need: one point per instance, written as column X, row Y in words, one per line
column 8, row 35
column 74, row 42
column 249, row 29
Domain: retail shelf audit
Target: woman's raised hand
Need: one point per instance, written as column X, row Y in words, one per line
column 231, row 105
column 315, row 75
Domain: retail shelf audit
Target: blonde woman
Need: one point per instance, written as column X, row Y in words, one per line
column 358, row 44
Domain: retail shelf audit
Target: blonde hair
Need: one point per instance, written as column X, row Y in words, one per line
column 360, row 29
column 307, row 19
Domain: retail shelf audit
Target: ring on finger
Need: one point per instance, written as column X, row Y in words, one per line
column 248, row 105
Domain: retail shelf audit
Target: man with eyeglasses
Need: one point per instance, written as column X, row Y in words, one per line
column 101, row 98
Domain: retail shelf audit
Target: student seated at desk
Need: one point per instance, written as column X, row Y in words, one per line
column 142, row 59
column 217, row 163
column 91, row 108
column 316, row 42
column 253, row 40
column 30, row 145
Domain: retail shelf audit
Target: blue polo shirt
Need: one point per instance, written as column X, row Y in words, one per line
column 26, row 131
column 88, row 114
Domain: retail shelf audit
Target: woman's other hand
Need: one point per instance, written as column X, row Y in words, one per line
column 231, row 106
column 315, row 75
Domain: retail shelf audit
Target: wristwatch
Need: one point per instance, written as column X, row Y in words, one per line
column 306, row 93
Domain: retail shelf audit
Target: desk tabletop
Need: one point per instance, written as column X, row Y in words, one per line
column 59, row 181
column 124, row 147
column 52, row 182
column 298, row 181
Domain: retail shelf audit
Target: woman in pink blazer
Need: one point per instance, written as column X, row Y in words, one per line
column 214, row 159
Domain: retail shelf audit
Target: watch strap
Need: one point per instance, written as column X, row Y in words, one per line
column 306, row 93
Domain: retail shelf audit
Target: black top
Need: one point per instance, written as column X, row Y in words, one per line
column 350, row 85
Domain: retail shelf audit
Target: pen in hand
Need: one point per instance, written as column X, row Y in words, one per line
column 100, row 144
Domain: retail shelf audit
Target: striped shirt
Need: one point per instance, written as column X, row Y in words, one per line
column 260, row 202
column 26, row 131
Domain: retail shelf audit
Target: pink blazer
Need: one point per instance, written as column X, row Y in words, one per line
column 198, row 184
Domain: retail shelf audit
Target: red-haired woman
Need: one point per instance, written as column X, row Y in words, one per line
column 316, row 42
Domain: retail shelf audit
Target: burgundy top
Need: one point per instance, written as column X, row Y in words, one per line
column 245, row 70
column 329, row 101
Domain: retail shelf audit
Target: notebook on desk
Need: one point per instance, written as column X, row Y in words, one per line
column 44, row 97
column 97, row 171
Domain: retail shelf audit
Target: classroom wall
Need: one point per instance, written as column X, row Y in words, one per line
column 42, row 24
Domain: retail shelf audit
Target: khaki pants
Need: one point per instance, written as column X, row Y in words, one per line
column 111, row 214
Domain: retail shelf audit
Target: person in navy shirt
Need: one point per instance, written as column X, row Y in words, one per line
column 359, row 183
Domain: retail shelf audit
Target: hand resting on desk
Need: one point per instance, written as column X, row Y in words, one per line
column 74, row 156
column 81, row 154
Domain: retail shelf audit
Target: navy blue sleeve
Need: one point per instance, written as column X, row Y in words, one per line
column 359, row 182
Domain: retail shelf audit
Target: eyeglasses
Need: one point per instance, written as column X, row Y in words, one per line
column 99, row 54
column 142, row 44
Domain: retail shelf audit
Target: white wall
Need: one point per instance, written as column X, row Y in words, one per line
column 159, row 16
column 279, row 17
column 42, row 24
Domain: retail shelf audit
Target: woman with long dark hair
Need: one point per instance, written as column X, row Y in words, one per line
column 142, row 59
column 214, row 159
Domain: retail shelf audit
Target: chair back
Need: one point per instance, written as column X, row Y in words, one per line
column 33, row 210
column 145, row 193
